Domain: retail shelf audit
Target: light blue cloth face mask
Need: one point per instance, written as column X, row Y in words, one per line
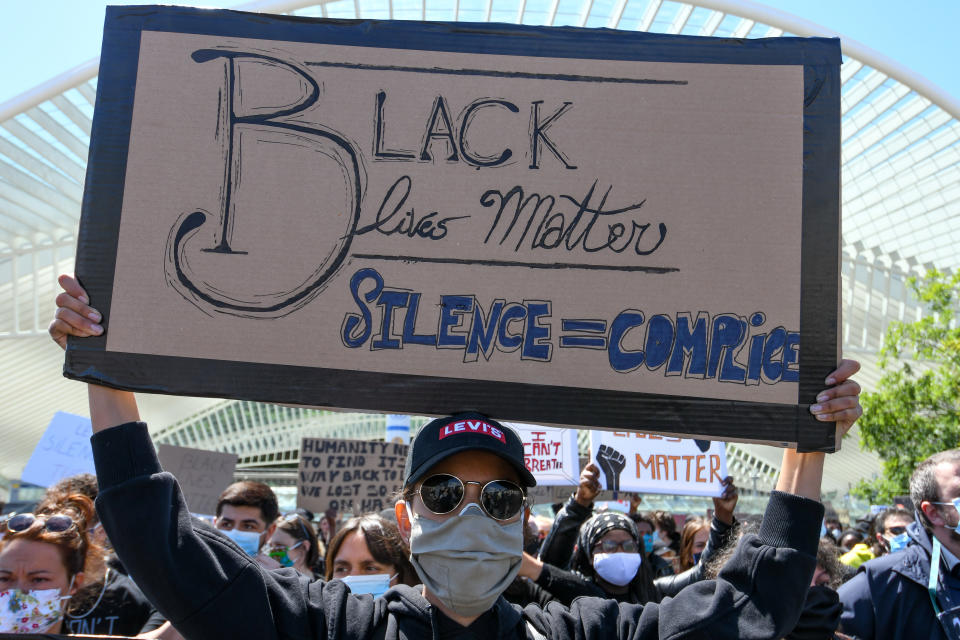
column 375, row 584
column 249, row 541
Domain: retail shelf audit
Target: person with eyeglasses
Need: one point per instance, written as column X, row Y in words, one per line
column 462, row 513
column 44, row 558
column 915, row 592
column 292, row 543
column 564, row 547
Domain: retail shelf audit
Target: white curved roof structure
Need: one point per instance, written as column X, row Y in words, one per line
column 901, row 203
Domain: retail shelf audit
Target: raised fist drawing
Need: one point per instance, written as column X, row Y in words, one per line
column 611, row 463
column 703, row 445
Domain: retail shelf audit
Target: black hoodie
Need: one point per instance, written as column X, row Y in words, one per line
column 208, row 588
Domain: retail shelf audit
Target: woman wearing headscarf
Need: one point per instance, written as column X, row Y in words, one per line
column 558, row 546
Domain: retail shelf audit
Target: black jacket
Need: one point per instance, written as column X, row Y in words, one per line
column 557, row 548
column 208, row 588
column 114, row 607
column 888, row 597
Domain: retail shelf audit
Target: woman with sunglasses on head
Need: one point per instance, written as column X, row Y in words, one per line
column 369, row 555
column 292, row 544
column 43, row 558
column 109, row 602
column 463, row 513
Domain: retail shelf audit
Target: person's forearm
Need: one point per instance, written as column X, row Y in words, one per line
column 801, row 474
column 111, row 407
column 530, row 567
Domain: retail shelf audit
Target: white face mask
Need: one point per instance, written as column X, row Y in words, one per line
column 617, row 568
column 30, row 611
column 375, row 584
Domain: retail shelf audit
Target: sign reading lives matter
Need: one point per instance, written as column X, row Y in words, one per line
column 349, row 476
column 564, row 226
column 648, row 463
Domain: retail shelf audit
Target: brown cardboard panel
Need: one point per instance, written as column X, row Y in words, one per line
column 603, row 225
column 349, row 476
column 202, row 475
column 737, row 170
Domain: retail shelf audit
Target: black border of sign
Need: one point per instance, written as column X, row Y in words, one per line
column 88, row 360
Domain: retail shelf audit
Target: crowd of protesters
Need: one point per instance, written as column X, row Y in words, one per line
column 460, row 554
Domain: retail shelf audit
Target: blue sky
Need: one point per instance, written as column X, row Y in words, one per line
column 40, row 39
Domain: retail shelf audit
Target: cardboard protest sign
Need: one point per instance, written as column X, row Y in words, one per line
column 349, row 476
column 550, row 453
column 648, row 463
column 202, row 474
column 63, row 451
column 562, row 226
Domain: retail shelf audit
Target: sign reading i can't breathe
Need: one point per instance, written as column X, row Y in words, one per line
column 575, row 228
column 550, row 453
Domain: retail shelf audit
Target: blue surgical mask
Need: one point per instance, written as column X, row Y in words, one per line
column 898, row 543
column 376, row 584
column 648, row 540
column 249, row 541
column 823, row 528
column 696, row 557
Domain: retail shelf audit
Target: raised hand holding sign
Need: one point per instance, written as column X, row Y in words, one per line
column 612, row 462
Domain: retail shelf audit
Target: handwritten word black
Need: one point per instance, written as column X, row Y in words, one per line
column 440, row 127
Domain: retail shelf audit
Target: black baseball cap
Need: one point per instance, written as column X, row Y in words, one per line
column 443, row 437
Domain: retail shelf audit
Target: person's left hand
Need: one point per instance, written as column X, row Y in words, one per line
column 840, row 402
column 724, row 506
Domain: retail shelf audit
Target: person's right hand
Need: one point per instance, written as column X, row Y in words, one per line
column 74, row 316
column 589, row 485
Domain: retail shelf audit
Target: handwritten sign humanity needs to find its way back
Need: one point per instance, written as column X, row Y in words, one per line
column 349, row 476
column 586, row 227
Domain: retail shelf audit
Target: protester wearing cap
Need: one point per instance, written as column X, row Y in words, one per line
column 209, row 588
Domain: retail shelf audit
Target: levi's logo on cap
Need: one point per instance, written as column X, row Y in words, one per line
column 472, row 426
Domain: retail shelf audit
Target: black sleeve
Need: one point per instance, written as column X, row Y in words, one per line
column 155, row 621
column 719, row 537
column 523, row 592
column 557, row 547
column 201, row 581
column 565, row 586
column 758, row 594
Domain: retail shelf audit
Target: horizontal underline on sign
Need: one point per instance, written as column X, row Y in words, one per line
column 512, row 263
column 565, row 77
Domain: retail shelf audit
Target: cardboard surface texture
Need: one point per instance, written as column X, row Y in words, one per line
column 203, row 475
column 589, row 228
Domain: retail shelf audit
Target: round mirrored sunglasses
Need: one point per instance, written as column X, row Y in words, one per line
column 500, row 499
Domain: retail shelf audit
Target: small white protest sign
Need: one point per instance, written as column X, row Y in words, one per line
column 63, row 451
column 550, row 453
column 649, row 463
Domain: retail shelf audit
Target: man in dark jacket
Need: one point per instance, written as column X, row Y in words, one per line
column 889, row 597
column 463, row 517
